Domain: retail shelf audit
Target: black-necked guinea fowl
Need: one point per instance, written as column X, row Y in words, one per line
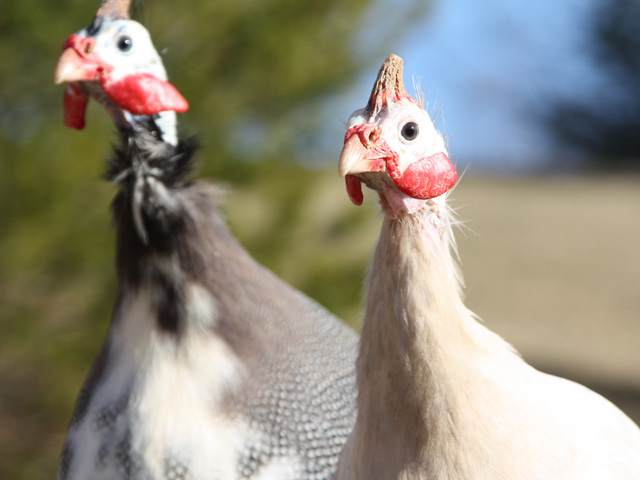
column 212, row 368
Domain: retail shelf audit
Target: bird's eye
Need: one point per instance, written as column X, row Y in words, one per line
column 410, row 131
column 125, row 43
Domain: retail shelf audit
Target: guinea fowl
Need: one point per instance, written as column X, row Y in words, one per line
column 212, row 368
column 439, row 395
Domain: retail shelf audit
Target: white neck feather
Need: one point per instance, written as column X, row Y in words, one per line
column 419, row 344
column 440, row 397
column 166, row 122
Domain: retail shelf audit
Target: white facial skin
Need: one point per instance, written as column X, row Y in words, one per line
column 392, row 119
column 126, row 45
column 409, row 132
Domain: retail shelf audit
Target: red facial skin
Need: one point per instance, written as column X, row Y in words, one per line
column 75, row 105
column 144, row 94
column 427, row 177
column 354, row 189
column 140, row 94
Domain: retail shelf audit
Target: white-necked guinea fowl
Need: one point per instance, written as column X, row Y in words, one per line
column 440, row 396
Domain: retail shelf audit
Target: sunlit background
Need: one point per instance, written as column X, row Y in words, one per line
column 540, row 102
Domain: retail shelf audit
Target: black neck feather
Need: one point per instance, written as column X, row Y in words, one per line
column 149, row 213
column 186, row 241
column 142, row 143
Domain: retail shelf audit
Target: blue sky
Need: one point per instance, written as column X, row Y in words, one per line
column 489, row 64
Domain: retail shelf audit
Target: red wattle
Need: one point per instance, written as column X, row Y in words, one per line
column 428, row 177
column 144, row 94
column 354, row 189
column 75, row 106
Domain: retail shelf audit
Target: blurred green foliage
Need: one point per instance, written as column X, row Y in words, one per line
column 254, row 73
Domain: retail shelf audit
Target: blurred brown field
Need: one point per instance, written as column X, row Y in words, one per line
column 550, row 263
column 553, row 265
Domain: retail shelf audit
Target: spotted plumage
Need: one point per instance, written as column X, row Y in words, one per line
column 213, row 368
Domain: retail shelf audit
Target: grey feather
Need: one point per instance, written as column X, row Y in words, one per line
column 213, row 368
column 296, row 392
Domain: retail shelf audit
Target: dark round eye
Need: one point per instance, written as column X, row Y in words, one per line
column 125, row 43
column 410, row 131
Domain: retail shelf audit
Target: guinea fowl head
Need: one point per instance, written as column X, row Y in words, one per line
column 114, row 61
column 392, row 147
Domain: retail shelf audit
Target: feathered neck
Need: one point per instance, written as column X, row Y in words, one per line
column 413, row 305
column 145, row 148
column 149, row 212
column 418, row 346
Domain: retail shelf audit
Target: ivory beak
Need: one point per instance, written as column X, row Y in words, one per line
column 71, row 67
column 356, row 158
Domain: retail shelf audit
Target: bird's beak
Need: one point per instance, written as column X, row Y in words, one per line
column 78, row 62
column 362, row 152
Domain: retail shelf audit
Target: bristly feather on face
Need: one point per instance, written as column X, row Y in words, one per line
column 392, row 146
